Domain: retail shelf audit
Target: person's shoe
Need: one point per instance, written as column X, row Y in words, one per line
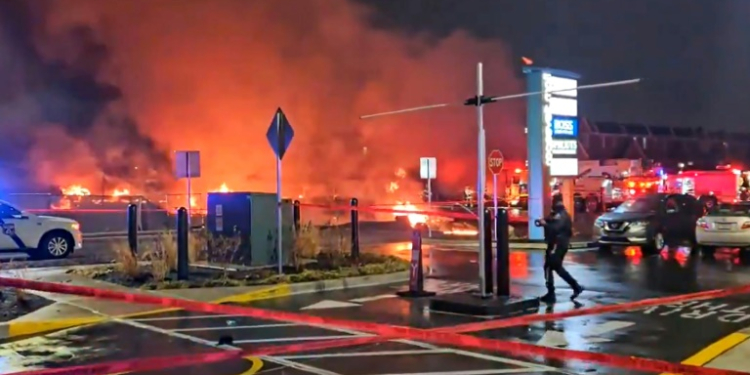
column 548, row 298
column 576, row 292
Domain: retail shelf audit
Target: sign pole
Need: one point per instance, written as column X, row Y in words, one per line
column 494, row 200
column 280, row 132
column 481, row 180
column 429, row 204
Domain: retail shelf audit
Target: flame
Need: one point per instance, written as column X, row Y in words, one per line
column 223, row 189
column 121, row 193
column 76, row 190
column 414, row 219
column 392, row 187
column 462, row 232
column 193, row 202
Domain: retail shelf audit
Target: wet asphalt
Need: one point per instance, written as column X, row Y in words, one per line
column 666, row 332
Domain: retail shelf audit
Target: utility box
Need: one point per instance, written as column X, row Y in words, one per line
column 252, row 217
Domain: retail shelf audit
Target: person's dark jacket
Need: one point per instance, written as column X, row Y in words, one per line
column 561, row 228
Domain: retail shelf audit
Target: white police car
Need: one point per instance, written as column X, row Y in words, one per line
column 42, row 237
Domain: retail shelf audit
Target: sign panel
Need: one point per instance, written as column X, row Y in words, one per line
column 495, row 161
column 280, row 134
column 564, row 127
column 427, row 168
column 187, row 164
column 553, row 83
column 564, row 147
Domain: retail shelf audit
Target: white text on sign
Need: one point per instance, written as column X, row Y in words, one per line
column 722, row 312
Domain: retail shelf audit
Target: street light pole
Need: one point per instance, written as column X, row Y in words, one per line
column 481, row 181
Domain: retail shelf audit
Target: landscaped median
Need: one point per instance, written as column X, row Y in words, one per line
column 319, row 264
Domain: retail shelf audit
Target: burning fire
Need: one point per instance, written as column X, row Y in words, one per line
column 223, row 189
column 76, row 190
column 121, row 193
column 415, row 218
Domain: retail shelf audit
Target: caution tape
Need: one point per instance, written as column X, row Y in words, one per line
column 141, row 364
column 389, row 331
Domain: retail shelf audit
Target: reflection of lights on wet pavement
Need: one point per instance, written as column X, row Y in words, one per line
column 679, row 254
column 519, row 264
column 634, row 254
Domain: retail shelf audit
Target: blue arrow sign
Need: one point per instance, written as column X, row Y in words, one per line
column 280, row 134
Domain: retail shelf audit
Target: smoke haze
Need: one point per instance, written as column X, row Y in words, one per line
column 96, row 89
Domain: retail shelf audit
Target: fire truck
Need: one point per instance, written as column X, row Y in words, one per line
column 715, row 186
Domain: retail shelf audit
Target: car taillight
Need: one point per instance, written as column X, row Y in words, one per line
column 746, row 225
column 703, row 224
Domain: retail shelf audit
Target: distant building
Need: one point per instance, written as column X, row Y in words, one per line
column 663, row 144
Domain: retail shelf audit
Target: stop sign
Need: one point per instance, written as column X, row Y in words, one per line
column 495, row 161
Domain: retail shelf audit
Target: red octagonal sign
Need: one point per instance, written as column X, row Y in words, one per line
column 495, row 161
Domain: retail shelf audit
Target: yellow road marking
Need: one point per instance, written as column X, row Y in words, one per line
column 714, row 350
column 23, row 328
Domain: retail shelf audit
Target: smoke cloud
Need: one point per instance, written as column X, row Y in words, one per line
column 109, row 89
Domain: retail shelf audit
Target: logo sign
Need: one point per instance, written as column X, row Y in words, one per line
column 553, row 83
column 187, row 164
column 564, row 147
column 280, row 134
column 495, row 161
column 427, row 168
column 564, row 127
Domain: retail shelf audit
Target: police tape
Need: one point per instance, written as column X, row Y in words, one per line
column 141, row 364
column 389, row 331
column 512, row 348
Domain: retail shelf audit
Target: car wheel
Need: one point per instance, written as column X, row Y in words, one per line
column 656, row 245
column 55, row 245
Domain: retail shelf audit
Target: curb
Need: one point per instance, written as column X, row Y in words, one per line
column 13, row 329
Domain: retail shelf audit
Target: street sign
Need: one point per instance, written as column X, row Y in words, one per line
column 495, row 161
column 427, row 168
column 187, row 164
column 280, row 134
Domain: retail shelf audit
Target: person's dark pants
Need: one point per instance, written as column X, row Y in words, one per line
column 554, row 264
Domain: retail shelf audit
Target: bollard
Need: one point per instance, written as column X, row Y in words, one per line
column 133, row 228
column 296, row 215
column 183, row 261
column 503, row 253
column 488, row 279
column 416, row 273
column 355, row 228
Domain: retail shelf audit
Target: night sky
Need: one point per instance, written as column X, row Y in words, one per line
column 693, row 54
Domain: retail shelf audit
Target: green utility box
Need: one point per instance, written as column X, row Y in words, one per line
column 252, row 216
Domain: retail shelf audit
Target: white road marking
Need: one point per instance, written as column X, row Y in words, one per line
column 329, row 304
column 470, row 372
column 367, row 354
column 283, row 362
column 559, row 339
column 295, row 339
column 233, row 327
column 189, row 317
column 373, row 298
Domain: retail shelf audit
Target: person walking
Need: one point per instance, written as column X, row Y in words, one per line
column 558, row 229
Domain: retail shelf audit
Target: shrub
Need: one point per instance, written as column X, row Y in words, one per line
column 307, row 242
column 125, row 262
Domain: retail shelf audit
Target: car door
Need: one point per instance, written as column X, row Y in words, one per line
column 673, row 218
column 10, row 223
column 690, row 210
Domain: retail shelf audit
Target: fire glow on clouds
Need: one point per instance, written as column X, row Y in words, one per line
column 210, row 76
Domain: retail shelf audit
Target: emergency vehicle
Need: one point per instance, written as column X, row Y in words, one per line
column 710, row 186
column 42, row 237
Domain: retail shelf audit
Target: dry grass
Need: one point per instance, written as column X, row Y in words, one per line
column 307, row 244
column 18, row 270
column 125, row 262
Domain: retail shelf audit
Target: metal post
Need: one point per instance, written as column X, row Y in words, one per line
column 487, row 287
column 429, row 200
column 416, row 275
column 502, row 231
column 296, row 216
column 494, row 198
column 133, row 228
column 183, row 261
column 355, row 228
column 481, row 180
column 279, row 241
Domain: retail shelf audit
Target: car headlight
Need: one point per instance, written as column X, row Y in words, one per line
column 599, row 223
column 76, row 226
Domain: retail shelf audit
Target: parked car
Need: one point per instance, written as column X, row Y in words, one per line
column 650, row 221
column 725, row 225
column 42, row 237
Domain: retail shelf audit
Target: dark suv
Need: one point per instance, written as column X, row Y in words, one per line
column 650, row 221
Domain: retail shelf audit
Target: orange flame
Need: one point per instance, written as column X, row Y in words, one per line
column 223, row 189
column 121, row 193
column 76, row 190
column 414, row 218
